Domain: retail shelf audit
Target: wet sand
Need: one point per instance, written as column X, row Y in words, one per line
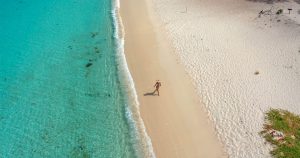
column 176, row 121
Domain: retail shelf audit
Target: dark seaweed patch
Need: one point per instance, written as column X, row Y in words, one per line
column 96, row 49
column 92, row 60
column 80, row 150
column 94, row 34
column 87, row 74
column 97, row 94
column 72, row 104
column 93, row 94
column 45, row 136
column 88, row 64
column 81, row 147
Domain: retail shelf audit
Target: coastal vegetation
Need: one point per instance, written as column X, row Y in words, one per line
column 282, row 130
column 279, row 11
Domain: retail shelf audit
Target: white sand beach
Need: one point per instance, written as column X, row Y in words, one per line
column 241, row 64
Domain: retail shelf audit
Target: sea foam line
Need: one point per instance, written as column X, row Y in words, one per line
column 144, row 147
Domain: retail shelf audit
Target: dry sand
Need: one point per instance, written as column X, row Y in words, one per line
column 241, row 65
column 175, row 120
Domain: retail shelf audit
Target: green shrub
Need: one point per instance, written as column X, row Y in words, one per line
column 279, row 11
column 287, row 123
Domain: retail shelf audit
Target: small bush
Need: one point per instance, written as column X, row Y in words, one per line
column 280, row 11
column 287, row 123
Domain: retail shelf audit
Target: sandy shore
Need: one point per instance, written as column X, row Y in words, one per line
column 175, row 120
column 241, row 64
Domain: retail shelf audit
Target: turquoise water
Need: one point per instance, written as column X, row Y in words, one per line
column 60, row 95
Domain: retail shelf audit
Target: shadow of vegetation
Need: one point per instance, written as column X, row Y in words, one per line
column 273, row 1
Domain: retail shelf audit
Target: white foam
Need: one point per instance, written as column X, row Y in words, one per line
column 222, row 43
column 144, row 146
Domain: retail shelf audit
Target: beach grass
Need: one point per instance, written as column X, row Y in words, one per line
column 287, row 123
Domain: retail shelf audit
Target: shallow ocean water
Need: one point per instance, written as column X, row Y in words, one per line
column 60, row 94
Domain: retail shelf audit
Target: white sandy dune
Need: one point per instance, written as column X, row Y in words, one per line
column 241, row 64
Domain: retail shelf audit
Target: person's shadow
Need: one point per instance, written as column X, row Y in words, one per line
column 149, row 94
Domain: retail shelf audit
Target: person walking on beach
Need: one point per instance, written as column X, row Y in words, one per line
column 157, row 85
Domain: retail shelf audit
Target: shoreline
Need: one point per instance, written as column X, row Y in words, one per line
column 175, row 121
column 142, row 142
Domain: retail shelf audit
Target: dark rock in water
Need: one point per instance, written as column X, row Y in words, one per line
column 70, row 47
column 88, row 64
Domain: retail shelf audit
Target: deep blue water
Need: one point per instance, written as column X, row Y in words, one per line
column 60, row 95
